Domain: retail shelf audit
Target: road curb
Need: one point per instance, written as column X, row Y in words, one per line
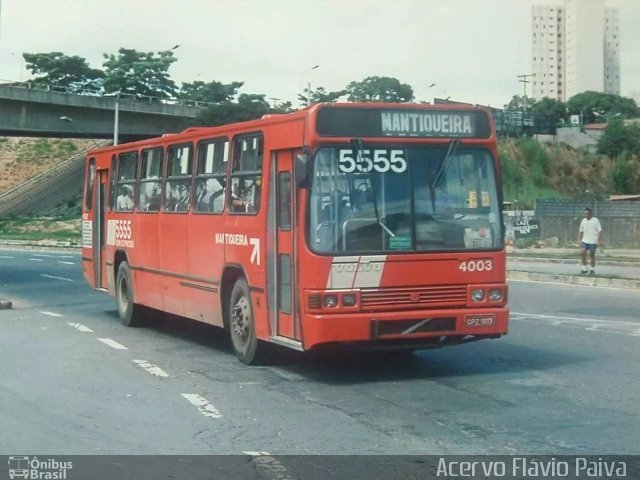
column 573, row 261
column 575, row 280
column 5, row 304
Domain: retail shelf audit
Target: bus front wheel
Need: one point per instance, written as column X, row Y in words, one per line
column 246, row 345
column 129, row 312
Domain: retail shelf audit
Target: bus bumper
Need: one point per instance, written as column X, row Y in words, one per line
column 432, row 328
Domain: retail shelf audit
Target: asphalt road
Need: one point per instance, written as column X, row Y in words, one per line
column 73, row 380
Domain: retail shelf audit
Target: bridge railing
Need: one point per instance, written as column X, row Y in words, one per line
column 101, row 93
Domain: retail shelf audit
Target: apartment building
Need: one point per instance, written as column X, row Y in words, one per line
column 575, row 47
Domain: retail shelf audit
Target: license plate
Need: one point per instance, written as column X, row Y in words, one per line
column 480, row 320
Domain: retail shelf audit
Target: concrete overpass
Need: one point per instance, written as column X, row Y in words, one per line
column 31, row 111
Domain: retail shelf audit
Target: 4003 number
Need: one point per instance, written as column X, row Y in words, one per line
column 476, row 265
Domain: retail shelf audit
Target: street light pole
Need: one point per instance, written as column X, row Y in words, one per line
column 116, row 119
column 116, row 115
column 607, row 117
column 425, row 89
column 524, row 80
column 308, row 83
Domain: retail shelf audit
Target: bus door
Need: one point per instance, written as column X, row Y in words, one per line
column 99, row 230
column 284, row 319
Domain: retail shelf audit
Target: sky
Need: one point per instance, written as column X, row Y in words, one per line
column 473, row 50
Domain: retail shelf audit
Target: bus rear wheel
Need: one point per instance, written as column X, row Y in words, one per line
column 130, row 313
column 246, row 345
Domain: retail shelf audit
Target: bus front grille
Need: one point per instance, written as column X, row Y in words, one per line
column 449, row 296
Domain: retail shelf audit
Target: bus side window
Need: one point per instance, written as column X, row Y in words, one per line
column 177, row 189
column 246, row 174
column 127, row 166
column 149, row 187
column 211, row 175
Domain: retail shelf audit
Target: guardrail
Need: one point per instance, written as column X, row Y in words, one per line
column 101, row 93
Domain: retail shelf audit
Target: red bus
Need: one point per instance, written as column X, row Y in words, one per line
column 374, row 225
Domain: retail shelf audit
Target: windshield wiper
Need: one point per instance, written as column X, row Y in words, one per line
column 441, row 170
column 357, row 147
column 445, row 161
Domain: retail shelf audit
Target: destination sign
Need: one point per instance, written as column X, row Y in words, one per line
column 376, row 122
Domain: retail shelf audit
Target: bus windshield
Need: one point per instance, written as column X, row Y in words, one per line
column 395, row 199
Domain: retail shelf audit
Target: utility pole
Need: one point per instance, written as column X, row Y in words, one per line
column 524, row 79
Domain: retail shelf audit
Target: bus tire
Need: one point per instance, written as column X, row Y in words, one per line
column 246, row 345
column 130, row 313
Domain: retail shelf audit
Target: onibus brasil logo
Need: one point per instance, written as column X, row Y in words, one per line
column 35, row 469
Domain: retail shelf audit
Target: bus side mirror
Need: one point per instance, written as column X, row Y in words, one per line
column 301, row 171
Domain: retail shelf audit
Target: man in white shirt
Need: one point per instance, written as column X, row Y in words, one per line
column 589, row 235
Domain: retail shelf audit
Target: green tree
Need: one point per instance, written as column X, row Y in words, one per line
column 516, row 103
column 212, row 92
column 618, row 138
column 551, row 106
column 320, row 95
column 608, row 104
column 379, row 89
column 625, row 174
column 248, row 107
column 57, row 69
column 143, row 74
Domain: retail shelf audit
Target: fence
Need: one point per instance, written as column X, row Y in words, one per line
column 620, row 220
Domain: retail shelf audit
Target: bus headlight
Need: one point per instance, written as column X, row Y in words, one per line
column 495, row 295
column 349, row 300
column 330, row 301
column 477, row 295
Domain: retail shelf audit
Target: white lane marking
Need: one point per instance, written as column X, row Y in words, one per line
column 36, row 260
column 66, row 263
column 51, row 314
column 151, row 368
column 575, row 319
column 113, row 344
column 43, row 255
column 273, row 468
column 6, row 257
column 80, row 327
column 203, row 405
column 256, row 453
column 618, row 327
column 56, row 278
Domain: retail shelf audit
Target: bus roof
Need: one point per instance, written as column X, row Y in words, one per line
column 342, row 129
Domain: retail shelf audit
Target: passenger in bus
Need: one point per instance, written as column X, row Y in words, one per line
column 171, row 197
column 125, row 199
column 150, row 196
column 210, row 195
column 238, row 202
column 184, row 195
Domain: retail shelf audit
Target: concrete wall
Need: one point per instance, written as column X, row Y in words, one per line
column 620, row 220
